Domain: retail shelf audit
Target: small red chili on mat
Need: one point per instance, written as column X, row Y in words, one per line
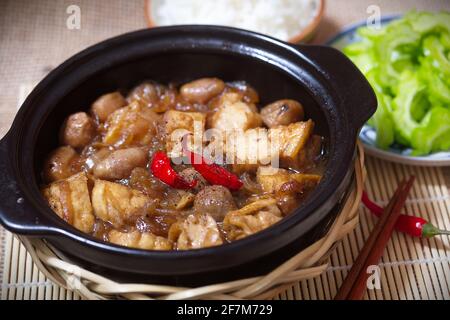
column 162, row 169
column 414, row 226
column 213, row 173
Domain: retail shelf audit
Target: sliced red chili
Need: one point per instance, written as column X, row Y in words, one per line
column 162, row 169
column 213, row 173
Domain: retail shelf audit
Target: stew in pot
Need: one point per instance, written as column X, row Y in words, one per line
column 176, row 168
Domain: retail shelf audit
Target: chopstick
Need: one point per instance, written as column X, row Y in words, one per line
column 355, row 283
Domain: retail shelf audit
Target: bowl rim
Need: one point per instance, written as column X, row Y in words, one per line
column 61, row 228
column 302, row 35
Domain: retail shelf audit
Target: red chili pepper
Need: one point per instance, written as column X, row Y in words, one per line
column 213, row 173
column 414, row 226
column 162, row 169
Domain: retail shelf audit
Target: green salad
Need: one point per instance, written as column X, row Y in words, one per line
column 407, row 62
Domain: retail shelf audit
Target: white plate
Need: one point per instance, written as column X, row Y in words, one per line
column 396, row 153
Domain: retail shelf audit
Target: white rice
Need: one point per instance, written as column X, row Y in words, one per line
column 282, row 19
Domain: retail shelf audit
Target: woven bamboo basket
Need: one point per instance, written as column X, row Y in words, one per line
column 307, row 264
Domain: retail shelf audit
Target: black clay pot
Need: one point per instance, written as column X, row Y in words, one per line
column 335, row 95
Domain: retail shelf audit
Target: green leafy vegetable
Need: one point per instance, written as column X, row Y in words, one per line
column 434, row 132
column 383, row 115
column 408, row 101
column 407, row 62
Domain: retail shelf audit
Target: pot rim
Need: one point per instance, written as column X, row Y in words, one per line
column 306, row 211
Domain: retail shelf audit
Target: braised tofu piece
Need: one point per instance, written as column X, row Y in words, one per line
column 116, row 203
column 78, row 130
column 196, row 231
column 70, row 200
column 107, row 104
column 250, row 149
column 235, row 114
column 189, row 121
column 291, row 139
column 239, row 168
column 260, row 146
column 287, row 187
column 61, row 164
column 271, row 179
column 252, row 218
column 309, row 157
column 177, row 125
column 136, row 239
column 131, row 125
column 253, row 147
column 291, row 193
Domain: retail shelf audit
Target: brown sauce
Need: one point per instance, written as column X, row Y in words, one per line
column 144, row 125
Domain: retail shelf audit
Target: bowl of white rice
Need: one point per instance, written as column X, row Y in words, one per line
column 288, row 20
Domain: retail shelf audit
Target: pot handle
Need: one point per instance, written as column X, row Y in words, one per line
column 359, row 100
column 16, row 213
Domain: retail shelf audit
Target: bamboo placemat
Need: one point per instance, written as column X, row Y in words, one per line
column 410, row 269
